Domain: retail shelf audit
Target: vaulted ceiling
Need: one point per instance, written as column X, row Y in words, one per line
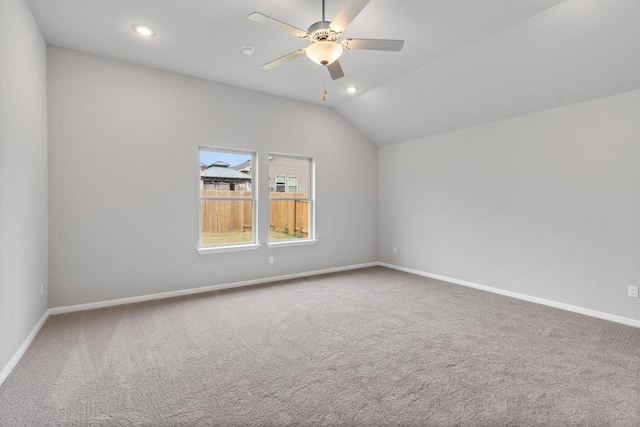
column 464, row 63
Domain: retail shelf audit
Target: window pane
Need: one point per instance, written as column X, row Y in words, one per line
column 224, row 222
column 289, row 219
column 293, row 184
column 287, row 172
column 226, row 174
column 222, row 170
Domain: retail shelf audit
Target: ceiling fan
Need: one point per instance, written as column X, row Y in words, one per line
column 324, row 47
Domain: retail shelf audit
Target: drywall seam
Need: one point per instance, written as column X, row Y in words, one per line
column 524, row 297
column 23, row 348
column 171, row 294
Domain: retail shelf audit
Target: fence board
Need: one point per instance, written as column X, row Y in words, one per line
column 221, row 216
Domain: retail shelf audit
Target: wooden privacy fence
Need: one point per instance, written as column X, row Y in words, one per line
column 289, row 216
column 224, row 216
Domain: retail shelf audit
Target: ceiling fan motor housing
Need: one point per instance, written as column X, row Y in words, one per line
column 320, row 31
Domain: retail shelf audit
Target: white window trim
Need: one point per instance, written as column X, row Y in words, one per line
column 288, row 243
column 203, row 250
column 210, row 249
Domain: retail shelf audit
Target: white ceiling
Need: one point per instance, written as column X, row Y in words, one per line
column 464, row 62
column 576, row 51
column 203, row 38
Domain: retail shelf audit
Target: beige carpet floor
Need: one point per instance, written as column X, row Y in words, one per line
column 366, row 347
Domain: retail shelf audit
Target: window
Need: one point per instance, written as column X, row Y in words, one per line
column 293, row 184
column 227, row 198
column 291, row 204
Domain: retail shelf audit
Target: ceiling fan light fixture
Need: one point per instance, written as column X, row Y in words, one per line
column 323, row 37
column 324, row 52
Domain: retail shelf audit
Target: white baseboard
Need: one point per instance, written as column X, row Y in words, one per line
column 80, row 307
column 163, row 295
column 58, row 310
column 23, row 347
column 550, row 303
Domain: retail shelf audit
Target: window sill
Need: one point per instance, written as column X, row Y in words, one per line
column 234, row 248
column 288, row 243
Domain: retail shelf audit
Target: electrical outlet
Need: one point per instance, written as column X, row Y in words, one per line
column 633, row 291
column 41, row 289
column 394, row 250
column 271, row 259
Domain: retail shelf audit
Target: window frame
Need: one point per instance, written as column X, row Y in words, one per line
column 240, row 246
column 311, row 238
column 283, row 184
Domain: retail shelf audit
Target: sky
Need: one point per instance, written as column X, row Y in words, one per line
column 209, row 157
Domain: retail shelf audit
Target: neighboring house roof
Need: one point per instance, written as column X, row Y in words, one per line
column 224, row 174
column 246, row 166
column 243, row 167
column 221, row 164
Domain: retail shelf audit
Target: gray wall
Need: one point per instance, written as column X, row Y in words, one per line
column 124, row 179
column 23, row 176
column 545, row 204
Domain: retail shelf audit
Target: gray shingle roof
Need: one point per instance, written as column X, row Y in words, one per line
column 224, row 174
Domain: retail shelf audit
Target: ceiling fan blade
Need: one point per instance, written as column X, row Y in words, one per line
column 278, row 25
column 374, row 44
column 335, row 70
column 283, row 59
column 349, row 11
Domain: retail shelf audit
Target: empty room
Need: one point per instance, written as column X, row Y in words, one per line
column 319, row 212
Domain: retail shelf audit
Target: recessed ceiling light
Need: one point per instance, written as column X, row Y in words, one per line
column 247, row 50
column 352, row 89
column 144, row 30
